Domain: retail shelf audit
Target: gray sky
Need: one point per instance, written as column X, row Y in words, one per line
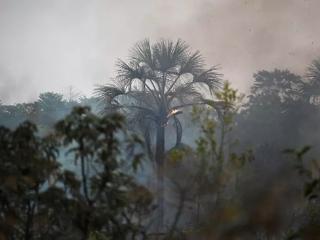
column 49, row 45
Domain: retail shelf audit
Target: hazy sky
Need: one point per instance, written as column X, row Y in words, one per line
column 49, row 45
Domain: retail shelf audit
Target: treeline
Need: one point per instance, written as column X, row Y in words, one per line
column 281, row 109
column 47, row 110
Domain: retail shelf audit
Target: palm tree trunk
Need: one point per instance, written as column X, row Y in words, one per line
column 159, row 158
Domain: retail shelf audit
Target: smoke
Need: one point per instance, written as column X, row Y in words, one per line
column 51, row 45
column 244, row 36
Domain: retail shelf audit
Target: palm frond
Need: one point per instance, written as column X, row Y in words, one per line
column 184, row 93
column 210, row 78
column 169, row 54
column 141, row 111
column 107, row 93
column 142, row 53
column 193, row 64
column 217, row 105
column 126, row 73
column 143, row 98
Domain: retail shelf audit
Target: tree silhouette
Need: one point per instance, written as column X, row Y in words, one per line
column 153, row 86
column 40, row 199
column 275, row 113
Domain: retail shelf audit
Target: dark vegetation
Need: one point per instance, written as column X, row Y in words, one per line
column 167, row 151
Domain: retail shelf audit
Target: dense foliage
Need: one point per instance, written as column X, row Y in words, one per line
column 242, row 168
column 40, row 199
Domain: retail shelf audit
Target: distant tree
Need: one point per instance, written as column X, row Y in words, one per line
column 278, row 86
column 51, row 107
column 12, row 115
column 92, row 102
column 72, row 95
column 274, row 113
column 157, row 82
column 45, row 111
column 311, row 87
column 50, row 101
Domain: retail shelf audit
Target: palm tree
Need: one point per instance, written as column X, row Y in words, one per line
column 153, row 87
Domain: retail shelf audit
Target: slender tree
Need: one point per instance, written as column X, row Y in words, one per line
column 152, row 88
column 311, row 88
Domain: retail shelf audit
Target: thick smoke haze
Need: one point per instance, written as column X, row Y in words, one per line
column 48, row 45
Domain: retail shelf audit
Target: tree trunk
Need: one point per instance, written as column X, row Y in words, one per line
column 182, row 199
column 159, row 158
column 178, row 131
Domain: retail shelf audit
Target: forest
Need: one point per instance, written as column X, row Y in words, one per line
column 167, row 149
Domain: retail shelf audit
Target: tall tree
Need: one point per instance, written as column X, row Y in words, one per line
column 153, row 86
column 272, row 118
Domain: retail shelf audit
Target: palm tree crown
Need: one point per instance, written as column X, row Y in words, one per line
column 158, row 80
